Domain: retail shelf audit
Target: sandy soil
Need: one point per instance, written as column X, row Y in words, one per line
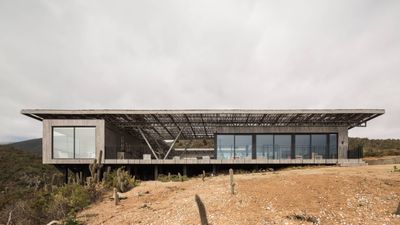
column 327, row 195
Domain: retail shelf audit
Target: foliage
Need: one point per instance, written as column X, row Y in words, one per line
column 119, row 179
column 376, row 147
column 35, row 193
column 68, row 199
column 72, row 221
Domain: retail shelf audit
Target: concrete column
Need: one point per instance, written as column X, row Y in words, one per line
column 215, row 170
column 343, row 142
column 136, row 171
column 155, row 172
column 184, row 170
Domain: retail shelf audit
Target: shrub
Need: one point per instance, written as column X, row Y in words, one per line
column 120, row 179
column 68, row 199
column 72, row 221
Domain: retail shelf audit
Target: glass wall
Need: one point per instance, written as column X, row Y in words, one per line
column 85, row 142
column 225, row 146
column 333, row 146
column 282, row 146
column 63, row 142
column 243, row 146
column 319, row 146
column 265, row 146
column 278, row 146
column 302, row 146
column 74, row 142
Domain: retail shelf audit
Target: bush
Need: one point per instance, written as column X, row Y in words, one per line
column 68, row 199
column 119, row 179
column 72, row 221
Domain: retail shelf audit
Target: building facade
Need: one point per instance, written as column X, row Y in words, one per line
column 233, row 136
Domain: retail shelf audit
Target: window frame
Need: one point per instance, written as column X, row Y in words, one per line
column 74, row 137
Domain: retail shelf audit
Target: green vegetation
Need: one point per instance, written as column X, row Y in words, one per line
column 376, row 147
column 33, row 193
column 119, row 179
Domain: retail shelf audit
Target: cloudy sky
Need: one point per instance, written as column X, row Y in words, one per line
column 199, row 54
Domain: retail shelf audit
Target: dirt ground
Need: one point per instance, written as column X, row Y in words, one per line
column 325, row 195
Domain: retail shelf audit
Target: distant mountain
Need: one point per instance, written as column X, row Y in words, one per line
column 32, row 146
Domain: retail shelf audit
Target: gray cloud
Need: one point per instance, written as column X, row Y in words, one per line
column 205, row 54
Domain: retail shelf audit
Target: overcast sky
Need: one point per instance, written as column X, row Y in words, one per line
column 199, row 54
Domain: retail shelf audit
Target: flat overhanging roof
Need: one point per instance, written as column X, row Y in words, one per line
column 202, row 123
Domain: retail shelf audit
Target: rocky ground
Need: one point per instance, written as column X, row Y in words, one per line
column 327, row 195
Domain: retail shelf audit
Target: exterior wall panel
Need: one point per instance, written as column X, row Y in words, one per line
column 48, row 139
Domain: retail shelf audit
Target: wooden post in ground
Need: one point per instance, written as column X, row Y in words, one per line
column 232, row 184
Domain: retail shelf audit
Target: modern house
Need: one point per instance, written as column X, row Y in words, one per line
column 232, row 137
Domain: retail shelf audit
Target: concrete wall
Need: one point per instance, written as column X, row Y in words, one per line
column 48, row 140
column 342, row 132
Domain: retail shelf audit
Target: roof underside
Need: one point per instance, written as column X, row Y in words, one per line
column 166, row 124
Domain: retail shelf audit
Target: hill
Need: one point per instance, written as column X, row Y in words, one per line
column 32, row 146
column 22, row 176
column 376, row 147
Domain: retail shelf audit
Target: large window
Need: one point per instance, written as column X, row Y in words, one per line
column 319, row 146
column 74, row 142
column 243, row 144
column 265, row 146
column 302, row 146
column 225, row 146
column 278, row 146
column 63, row 142
column 282, row 146
column 333, row 143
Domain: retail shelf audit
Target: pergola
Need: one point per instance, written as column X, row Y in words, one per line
column 200, row 124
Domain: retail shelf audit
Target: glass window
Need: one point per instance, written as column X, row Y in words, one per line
column 265, row 146
column 333, row 142
column 85, row 142
column 243, row 144
column 225, row 146
column 318, row 146
column 302, row 146
column 63, row 142
column 282, row 146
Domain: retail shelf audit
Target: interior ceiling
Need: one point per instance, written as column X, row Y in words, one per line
column 195, row 125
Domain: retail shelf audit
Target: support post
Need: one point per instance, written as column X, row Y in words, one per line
column 148, row 143
column 184, row 170
column 214, row 169
column 173, row 143
column 155, row 172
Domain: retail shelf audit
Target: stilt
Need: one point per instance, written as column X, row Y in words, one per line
column 155, row 172
column 184, row 170
column 255, row 167
column 214, row 170
column 136, row 171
